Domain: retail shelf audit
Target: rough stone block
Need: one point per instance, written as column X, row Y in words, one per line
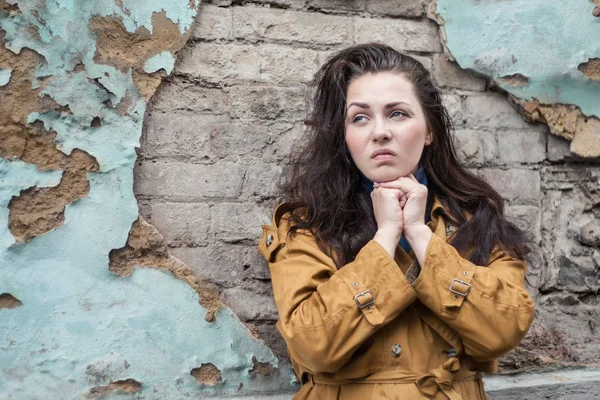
column 188, row 181
column 336, row 5
column 395, row 8
column 520, row 185
column 249, row 306
column 525, row 146
column 454, row 105
column 182, row 223
column 213, row 22
column 179, row 95
column 232, row 140
column 475, row 147
column 268, row 102
column 558, row 148
column 285, row 139
column 450, row 75
column 402, row 34
column 178, row 135
column 290, row 26
column 262, row 180
column 273, row 64
column 526, row 218
column 492, row 111
column 223, row 264
column 238, row 221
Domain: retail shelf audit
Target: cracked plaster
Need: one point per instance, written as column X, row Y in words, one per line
column 552, row 46
column 82, row 330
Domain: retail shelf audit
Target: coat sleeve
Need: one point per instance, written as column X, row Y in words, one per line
column 325, row 314
column 487, row 305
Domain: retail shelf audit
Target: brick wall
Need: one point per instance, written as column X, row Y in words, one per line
column 217, row 137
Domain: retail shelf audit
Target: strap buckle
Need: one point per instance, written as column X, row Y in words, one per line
column 463, row 294
column 363, row 294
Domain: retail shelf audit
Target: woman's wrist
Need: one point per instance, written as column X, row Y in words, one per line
column 418, row 237
column 388, row 240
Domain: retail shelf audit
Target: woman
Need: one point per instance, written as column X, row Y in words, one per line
column 394, row 270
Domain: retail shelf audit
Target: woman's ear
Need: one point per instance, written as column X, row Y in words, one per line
column 428, row 138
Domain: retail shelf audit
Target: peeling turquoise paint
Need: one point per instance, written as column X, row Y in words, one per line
column 543, row 40
column 163, row 60
column 81, row 326
column 5, row 74
column 14, row 177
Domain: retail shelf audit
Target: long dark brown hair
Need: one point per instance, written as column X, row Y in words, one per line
column 324, row 185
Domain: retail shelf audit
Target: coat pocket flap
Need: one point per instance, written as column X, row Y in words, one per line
column 269, row 242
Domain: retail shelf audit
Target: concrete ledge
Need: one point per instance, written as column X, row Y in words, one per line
column 559, row 384
column 563, row 384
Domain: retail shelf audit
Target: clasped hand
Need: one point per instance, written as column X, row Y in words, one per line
column 399, row 208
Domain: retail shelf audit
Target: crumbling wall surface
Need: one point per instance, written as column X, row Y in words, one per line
column 218, row 134
column 545, row 55
column 77, row 318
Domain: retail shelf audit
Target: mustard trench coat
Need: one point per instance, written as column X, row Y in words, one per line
column 376, row 330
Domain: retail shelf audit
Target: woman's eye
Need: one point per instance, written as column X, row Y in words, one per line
column 358, row 118
column 398, row 113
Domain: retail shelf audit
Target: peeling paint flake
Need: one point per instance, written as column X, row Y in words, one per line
column 5, row 74
column 591, row 68
column 164, row 60
column 70, row 122
column 558, row 83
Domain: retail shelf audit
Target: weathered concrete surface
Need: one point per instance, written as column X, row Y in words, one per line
column 564, row 384
column 228, row 123
column 545, row 54
column 79, row 317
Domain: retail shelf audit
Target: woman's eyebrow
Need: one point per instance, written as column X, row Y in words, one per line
column 396, row 103
column 361, row 105
column 366, row 106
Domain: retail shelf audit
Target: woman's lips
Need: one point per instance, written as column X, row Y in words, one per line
column 383, row 154
column 383, row 157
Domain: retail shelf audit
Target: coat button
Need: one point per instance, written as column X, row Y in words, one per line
column 269, row 240
column 452, row 352
column 396, row 350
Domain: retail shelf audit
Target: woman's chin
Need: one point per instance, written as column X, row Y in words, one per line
column 387, row 176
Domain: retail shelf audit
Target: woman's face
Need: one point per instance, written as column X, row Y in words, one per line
column 386, row 129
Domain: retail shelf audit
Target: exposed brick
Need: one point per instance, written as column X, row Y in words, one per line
column 188, row 181
column 262, row 180
column 213, row 22
column 521, row 146
column 182, row 223
column 223, row 264
column 515, row 185
column 229, row 141
column 336, row 5
column 407, row 35
column 179, row 95
column 492, row 111
column 271, row 63
column 454, row 105
column 558, row 148
column 290, row 26
column 267, row 102
column 178, row 135
column 450, row 75
column 238, row 221
column 284, row 139
column 526, row 218
column 250, row 306
column 425, row 60
column 475, row 147
column 218, row 62
column 395, row 8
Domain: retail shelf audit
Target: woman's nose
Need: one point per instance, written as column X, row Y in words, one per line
column 381, row 131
